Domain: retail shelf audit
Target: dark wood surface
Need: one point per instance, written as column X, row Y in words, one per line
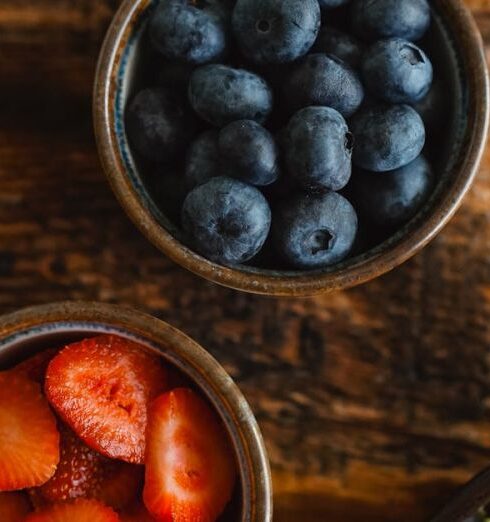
column 375, row 402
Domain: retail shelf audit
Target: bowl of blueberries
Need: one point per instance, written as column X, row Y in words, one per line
column 291, row 147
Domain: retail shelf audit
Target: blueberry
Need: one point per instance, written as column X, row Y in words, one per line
column 249, row 152
column 174, row 75
column 397, row 71
column 315, row 231
column 202, row 160
column 168, row 191
column 221, row 94
column 183, row 32
column 434, row 108
column 318, row 148
column 392, row 198
column 324, row 80
column 331, row 4
column 276, row 31
column 158, row 124
column 227, row 220
column 339, row 44
column 376, row 19
column 387, row 137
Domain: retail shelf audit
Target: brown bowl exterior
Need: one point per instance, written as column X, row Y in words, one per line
column 27, row 331
column 468, row 501
column 465, row 38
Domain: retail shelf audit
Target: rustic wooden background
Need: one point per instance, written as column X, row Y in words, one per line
column 375, row 402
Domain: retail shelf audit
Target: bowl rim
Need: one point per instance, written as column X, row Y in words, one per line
column 252, row 456
column 277, row 283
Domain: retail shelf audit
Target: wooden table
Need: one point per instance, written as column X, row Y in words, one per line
column 375, row 402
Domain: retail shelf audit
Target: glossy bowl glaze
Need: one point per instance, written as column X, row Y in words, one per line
column 29, row 331
column 456, row 48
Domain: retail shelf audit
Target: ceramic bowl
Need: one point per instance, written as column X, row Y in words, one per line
column 24, row 333
column 464, row 506
column 456, row 48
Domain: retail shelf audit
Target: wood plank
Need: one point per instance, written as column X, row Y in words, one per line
column 374, row 402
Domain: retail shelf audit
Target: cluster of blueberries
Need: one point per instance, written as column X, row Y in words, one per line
column 275, row 107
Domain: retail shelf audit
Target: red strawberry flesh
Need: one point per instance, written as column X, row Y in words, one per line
column 80, row 510
column 84, row 473
column 102, row 388
column 190, row 469
column 14, row 506
column 29, row 438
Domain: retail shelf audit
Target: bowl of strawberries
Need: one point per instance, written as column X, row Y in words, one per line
column 107, row 415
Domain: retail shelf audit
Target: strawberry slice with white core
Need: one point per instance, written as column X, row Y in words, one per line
column 102, row 388
column 29, row 438
column 190, row 468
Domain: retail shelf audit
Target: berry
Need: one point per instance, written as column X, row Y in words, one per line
column 324, row 80
column 158, row 124
column 29, row 439
column 14, row 506
column 80, row 510
column 272, row 31
column 392, row 198
column 227, row 220
column 82, row 472
column 318, row 149
column 202, row 160
column 167, row 189
column 433, row 108
column 397, row 71
column 331, row 4
column 339, row 44
column 136, row 513
column 221, row 94
column 315, row 231
column 387, row 137
column 376, row 19
column 190, row 469
column 35, row 367
column 249, row 152
column 183, row 32
column 101, row 387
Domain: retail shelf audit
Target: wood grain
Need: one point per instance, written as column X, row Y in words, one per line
column 375, row 403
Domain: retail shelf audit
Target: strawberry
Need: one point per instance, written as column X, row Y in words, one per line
column 190, row 470
column 13, row 507
column 35, row 367
column 80, row 510
column 29, row 439
column 136, row 513
column 84, row 473
column 102, row 388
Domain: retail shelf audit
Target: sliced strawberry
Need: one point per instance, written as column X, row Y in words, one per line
column 84, row 473
column 80, row 510
column 36, row 499
column 102, row 388
column 29, row 439
column 136, row 513
column 190, row 470
column 35, row 367
column 13, row 507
